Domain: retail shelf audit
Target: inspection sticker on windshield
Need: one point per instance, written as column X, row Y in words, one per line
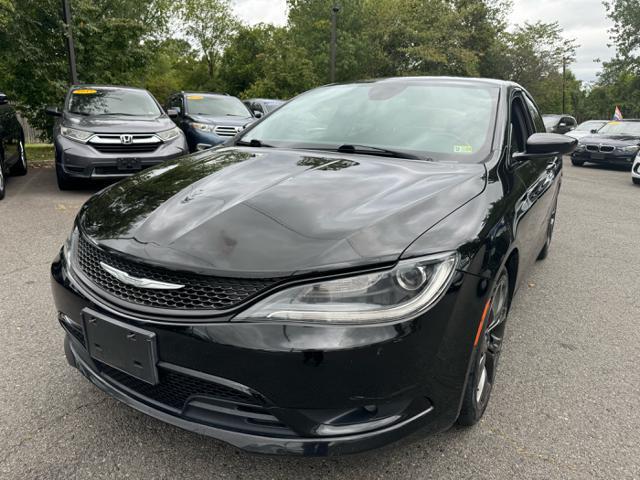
column 462, row 149
column 195, row 97
column 84, row 91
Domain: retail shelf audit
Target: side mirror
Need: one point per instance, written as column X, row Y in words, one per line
column 257, row 114
column 550, row 143
column 53, row 111
column 173, row 112
column 3, row 99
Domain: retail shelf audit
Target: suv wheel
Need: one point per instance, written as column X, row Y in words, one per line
column 2, row 178
column 20, row 168
column 485, row 363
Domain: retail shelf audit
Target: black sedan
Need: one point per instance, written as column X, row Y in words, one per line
column 337, row 278
column 13, row 156
column 617, row 143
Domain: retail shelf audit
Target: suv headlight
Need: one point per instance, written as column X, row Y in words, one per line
column 628, row 149
column 75, row 134
column 169, row 134
column 403, row 292
column 204, row 127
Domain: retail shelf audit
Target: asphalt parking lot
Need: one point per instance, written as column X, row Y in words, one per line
column 566, row 404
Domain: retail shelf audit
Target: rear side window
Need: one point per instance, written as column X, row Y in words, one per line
column 535, row 115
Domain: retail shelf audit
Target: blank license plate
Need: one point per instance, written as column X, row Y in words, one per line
column 127, row 164
column 597, row 156
column 122, row 346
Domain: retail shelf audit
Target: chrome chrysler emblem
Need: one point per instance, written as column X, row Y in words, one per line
column 124, row 277
column 126, row 139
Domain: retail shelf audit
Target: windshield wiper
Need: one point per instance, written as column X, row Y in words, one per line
column 370, row 150
column 253, row 143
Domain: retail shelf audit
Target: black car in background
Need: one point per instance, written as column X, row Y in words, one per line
column 106, row 132
column 324, row 283
column 617, row 143
column 262, row 106
column 209, row 119
column 559, row 123
column 13, row 157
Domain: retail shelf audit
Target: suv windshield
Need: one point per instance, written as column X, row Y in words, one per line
column 621, row 128
column 112, row 101
column 215, row 105
column 453, row 121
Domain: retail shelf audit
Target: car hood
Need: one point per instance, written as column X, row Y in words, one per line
column 224, row 120
column 614, row 140
column 118, row 123
column 578, row 134
column 272, row 212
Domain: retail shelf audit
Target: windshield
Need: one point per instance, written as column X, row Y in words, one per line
column 590, row 125
column 218, row 106
column 422, row 118
column 550, row 120
column 106, row 101
column 621, row 128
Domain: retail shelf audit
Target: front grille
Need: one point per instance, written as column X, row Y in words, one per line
column 131, row 148
column 227, row 131
column 175, row 388
column 600, row 148
column 200, row 292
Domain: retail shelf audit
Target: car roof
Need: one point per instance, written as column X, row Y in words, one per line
column 94, row 85
column 443, row 80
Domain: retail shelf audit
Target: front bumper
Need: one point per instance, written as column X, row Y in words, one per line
column 81, row 160
column 292, row 382
column 198, row 137
column 605, row 158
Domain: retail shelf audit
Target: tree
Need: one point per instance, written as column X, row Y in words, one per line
column 210, row 24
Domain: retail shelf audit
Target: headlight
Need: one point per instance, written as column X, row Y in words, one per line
column 169, row 134
column 204, row 127
column 68, row 245
column 629, row 149
column 75, row 134
column 401, row 293
column 581, row 147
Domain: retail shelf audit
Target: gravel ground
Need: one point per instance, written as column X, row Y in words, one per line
column 565, row 404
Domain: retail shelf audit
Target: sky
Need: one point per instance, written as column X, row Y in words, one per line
column 584, row 20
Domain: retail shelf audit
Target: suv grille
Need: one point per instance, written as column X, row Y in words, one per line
column 131, row 148
column 226, row 131
column 199, row 292
column 175, row 388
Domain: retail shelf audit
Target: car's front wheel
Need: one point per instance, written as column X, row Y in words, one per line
column 485, row 363
column 2, row 178
column 20, row 168
column 577, row 163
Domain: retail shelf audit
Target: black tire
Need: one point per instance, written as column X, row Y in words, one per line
column 544, row 253
column 3, row 178
column 65, row 182
column 577, row 163
column 20, row 168
column 487, row 353
column 636, row 180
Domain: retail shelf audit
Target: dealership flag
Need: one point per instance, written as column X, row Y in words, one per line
column 617, row 115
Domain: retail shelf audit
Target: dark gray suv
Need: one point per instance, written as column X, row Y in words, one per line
column 107, row 132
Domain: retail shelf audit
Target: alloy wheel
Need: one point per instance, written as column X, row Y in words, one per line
column 491, row 345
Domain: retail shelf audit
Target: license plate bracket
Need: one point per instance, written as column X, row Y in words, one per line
column 129, row 349
column 128, row 164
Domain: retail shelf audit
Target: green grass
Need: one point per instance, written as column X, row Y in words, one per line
column 39, row 154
